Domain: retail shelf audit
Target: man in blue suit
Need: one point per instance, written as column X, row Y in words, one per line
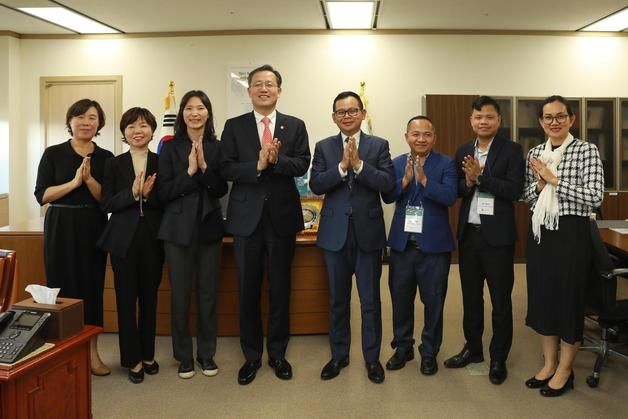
column 421, row 242
column 352, row 169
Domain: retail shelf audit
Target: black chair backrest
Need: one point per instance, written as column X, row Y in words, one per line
column 601, row 289
column 601, row 259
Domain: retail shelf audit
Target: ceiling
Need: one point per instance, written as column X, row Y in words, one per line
column 150, row 16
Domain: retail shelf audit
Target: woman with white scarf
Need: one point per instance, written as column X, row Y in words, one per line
column 564, row 184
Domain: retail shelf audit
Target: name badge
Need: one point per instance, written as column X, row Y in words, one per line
column 486, row 203
column 414, row 219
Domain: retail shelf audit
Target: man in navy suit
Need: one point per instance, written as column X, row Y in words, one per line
column 263, row 151
column 421, row 242
column 352, row 169
column 490, row 178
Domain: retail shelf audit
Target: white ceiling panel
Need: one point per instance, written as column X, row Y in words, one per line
column 142, row 16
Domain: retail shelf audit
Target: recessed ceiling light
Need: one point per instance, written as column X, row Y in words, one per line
column 616, row 22
column 351, row 14
column 68, row 19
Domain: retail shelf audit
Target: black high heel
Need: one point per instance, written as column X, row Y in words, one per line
column 151, row 369
column 136, row 377
column 536, row 383
column 547, row 391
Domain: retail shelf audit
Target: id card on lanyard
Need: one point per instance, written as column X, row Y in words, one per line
column 486, row 203
column 414, row 219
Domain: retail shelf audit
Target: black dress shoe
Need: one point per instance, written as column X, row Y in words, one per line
column 428, row 365
column 208, row 366
column 136, row 377
column 464, row 358
column 548, row 391
column 536, row 383
column 151, row 369
column 248, row 371
column 332, row 368
column 399, row 359
column 497, row 373
column 375, row 372
column 282, row 368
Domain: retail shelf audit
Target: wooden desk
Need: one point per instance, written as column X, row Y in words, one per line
column 54, row 384
column 309, row 299
column 615, row 242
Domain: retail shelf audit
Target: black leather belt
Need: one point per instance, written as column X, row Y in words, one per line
column 474, row 227
column 79, row 206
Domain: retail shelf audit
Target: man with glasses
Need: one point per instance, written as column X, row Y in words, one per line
column 420, row 240
column 352, row 169
column 263, row 151
column 490, row 173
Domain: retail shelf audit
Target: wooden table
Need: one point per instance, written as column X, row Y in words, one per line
column 309, row 299
column 615, row 242
column 54, row 384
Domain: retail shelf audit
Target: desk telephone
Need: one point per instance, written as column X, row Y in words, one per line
column 20, row 333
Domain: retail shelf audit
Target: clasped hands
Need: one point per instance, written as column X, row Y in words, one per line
column 196, row 158
column 268, row 154
column 542, row 173
column 414, row 169
column 472, row 170
column 146, row 188
column 350, row 157
column 83, row 173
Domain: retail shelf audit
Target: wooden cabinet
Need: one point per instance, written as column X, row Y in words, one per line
column 600, row 126
column 53, row 384
column 506, row 129
column 623, row 145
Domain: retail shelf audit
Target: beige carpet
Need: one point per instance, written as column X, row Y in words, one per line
column 404, row 394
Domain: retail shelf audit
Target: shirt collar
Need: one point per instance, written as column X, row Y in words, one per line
column 272, row 116
column 475, row 146
column 356, row 136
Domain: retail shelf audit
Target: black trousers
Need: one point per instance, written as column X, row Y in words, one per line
column 249, row 255
column 367, row 267
column 195, row 265
column 429, row 272
column 479, row 261
column 136, row 280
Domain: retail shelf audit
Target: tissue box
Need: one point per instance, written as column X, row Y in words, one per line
column 66, row 319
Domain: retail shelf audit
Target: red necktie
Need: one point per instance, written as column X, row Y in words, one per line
column 267, row 137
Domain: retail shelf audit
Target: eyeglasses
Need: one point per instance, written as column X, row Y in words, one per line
column 353, row 112
column 559, row 117
column 258, row 85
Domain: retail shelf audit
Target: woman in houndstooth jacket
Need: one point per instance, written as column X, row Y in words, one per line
column 564, row 184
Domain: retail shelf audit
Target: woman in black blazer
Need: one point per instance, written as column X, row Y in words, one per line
column 192, row 228
column 131, row 239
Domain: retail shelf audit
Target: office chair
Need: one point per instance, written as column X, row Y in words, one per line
column 8, row 260
column 602, row 306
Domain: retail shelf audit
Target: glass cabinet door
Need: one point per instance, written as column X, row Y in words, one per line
column 600, row 126
column 505, row 106
column 529, row 132
column 623, row 112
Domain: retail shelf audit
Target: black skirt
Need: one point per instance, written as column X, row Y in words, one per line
column 557, row 271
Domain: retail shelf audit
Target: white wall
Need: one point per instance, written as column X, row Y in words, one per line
column 9, row 108
column 398, row 70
